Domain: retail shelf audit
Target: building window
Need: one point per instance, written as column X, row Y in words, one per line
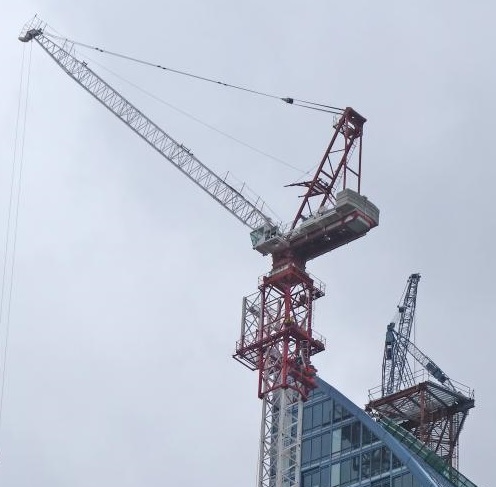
column 396, row 482
column 346, row 438
column 385, row 459
column 336, row 441
column 355, row 435
column 312, row 478
column 325, row 477
column 307, row 418
column 316, row 449
column 396, row 462
column 381, row 483
column 355, row 468
column 317, row 415
column 326, row 445
column 365, row 465
column 366, row 436
column 375, row 465
column 335, row 475
column 326, row 412
column 306, row 450
column 339, row 413
column 346, row 472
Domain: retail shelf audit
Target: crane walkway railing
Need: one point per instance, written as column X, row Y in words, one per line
column 426, row 454
column 419, row 377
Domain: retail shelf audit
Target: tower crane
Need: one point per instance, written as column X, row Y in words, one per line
column 434, row 412
column 277, row 337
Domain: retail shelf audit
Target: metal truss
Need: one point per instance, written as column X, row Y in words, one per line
column 277, row 337
column 277, row 340
column 433, row 413
column 336, row 167
column 251, row 214
column 396, row 372
column 280, row 439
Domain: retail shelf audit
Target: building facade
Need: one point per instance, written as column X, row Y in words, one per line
column 342, row 446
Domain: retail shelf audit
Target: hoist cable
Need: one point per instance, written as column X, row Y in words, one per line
column 289, row 100
column 13, row 218
column 196, row 119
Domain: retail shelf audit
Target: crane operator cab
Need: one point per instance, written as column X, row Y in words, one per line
column 389, row 341
column 267, row 238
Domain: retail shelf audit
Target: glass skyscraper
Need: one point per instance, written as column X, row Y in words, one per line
column 342, row 446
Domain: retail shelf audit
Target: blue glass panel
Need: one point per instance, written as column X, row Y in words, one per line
column 375, row 468
column 326, row 445
column 346, row 438
column 385, row 459
column 355, row 468
column 365, row 465
column 307, row 418
column 326, row 412
column 316, row 448
column 366, row 436
column 317, row 415
column 345, row 472
column 325, row 477
column 306, row 448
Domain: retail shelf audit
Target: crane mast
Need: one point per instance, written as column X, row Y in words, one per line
column 395, row 369
column 277, row 336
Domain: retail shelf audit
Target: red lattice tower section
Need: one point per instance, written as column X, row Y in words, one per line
column 277, row 337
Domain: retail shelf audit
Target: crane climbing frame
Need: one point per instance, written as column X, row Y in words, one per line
column 277, row 335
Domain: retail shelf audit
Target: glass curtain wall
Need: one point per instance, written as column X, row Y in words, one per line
column 338, row 450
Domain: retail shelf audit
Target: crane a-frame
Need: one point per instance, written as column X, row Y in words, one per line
column 433, row 410
column 277, row 336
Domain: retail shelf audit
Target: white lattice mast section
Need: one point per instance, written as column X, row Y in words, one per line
column 280, row 439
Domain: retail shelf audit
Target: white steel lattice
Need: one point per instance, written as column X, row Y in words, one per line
column 280, row 439
column 251, row 214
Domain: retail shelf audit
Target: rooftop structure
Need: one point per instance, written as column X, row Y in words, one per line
column 342, row 446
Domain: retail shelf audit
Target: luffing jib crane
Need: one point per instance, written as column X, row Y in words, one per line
column 277, row 336
column 434, row 412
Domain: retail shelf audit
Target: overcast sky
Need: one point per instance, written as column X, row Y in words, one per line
column 128, row 279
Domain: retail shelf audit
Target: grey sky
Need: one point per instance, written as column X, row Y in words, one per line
column 129, row 279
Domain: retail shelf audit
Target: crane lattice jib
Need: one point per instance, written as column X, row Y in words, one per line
column 249, row 213
column 395, row 368
column 429, row 365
